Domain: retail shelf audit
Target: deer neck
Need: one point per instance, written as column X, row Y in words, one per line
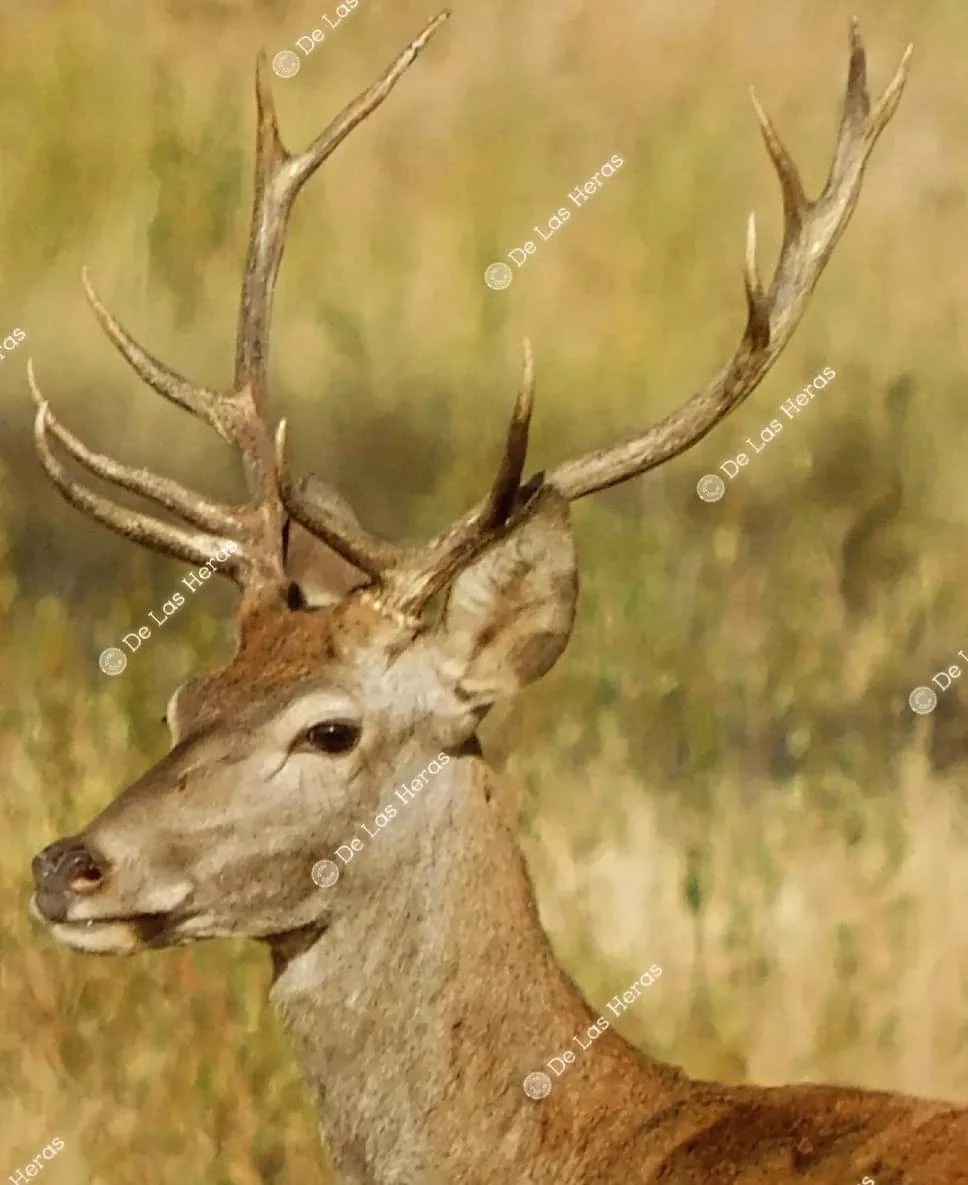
column 417, row 1015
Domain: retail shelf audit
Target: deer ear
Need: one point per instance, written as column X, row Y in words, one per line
column 509, row 614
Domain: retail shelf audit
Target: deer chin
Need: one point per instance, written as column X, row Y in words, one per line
column 98, row 938
column 113, row 935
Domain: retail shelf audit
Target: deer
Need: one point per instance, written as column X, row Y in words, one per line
column 420, row 991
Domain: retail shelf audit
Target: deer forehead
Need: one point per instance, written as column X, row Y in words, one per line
column 320, row 663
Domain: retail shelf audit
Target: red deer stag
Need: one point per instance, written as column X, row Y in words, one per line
column 421, row 990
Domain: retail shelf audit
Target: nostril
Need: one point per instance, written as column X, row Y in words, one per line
column 68, row 866
column 86, row 879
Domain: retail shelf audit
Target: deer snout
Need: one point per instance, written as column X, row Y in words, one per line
column 63, row 872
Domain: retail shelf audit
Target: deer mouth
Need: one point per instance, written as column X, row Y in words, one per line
column 108, row 935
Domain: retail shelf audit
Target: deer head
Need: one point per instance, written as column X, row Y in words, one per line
column 329, row 702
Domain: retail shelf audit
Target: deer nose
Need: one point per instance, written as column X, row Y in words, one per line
column 65, row 869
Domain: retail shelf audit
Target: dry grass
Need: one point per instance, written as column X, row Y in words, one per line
column 722, row 776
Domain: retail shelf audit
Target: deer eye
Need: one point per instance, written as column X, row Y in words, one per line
column 333, row 736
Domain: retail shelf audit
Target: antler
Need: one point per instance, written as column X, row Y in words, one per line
column 238, row 415
column 810, row 232
column 404, row 579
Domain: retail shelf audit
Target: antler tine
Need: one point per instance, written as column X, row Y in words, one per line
column 419, row 574
column 191, row 508
column 200, row 401
column 279, row 175
column 193, row 547
column 810, row 233
column 503, row 493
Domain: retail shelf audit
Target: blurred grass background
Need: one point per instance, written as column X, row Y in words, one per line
column 723, row 775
